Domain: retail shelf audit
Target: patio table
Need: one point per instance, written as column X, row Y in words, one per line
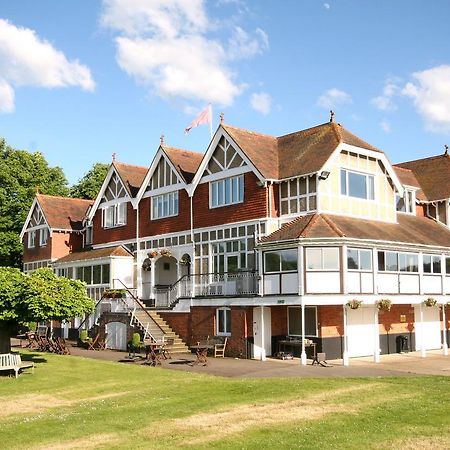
column 298, row 343
column 153, row 353
column 201, row 351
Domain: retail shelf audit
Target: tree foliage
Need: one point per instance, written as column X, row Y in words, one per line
column 21, row 173
column 89, row 186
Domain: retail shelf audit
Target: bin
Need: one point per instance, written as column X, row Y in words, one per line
column 402, row 344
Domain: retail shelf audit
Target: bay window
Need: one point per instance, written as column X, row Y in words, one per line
column 280, row 261
column 359, row 259
column 432, row 264
column 398, row 262
column 326, row 258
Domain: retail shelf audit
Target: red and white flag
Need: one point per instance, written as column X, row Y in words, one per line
column 203, row 118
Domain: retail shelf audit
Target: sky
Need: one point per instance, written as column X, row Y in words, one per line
column 83, row 79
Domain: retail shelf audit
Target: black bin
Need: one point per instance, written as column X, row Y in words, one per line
column 402, row 344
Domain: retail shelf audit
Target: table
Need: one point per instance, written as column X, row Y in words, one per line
column 201, row 351
column 298, row 343
column 153, row 353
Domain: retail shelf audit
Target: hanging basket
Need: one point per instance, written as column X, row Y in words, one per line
column 147, row 264
column 384, row 304
column 430, row 302
column 153, row 254
column 114, row 293
column 354, row 304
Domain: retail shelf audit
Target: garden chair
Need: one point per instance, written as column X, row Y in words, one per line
column 63, row 349
column 101, row 344
column 92, row 343
column 220, row 344
column 165, row 351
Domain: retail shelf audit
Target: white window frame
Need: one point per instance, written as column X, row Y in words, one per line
column 322, row 269
column 115, row 215
column 223, row 325
column 219, row 195
column 409, row 202
column 43, row 236
column 347, row 186
column 32, row 239
column 432, row 267
column 359, row 250
column 89, row 234
column 280, row 252
column 307, row 195
column 398, row 262
column 162, row 202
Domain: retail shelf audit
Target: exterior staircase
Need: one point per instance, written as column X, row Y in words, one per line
column 159, row 329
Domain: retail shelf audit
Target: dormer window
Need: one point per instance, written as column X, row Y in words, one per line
column 115, row 215
column 358, row 185
column 43, row 237
column 32, row 239
column 406, row 203
column 227, row 191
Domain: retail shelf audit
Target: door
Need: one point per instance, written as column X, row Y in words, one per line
column 262, row 332
column 361, row 331
column 431, row 327
column 116, row 336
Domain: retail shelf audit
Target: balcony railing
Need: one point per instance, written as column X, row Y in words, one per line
column 208, row 285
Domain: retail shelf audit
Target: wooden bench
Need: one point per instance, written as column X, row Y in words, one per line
column 220, row 344
column 12, row 361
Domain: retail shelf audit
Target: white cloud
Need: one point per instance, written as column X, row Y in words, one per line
column 385, row 101
column 27, row 60
column 327, row 6
column 164, row 44
column 242, row 46
column 261, row 102
column 385, row 126
column 333, row 97
column 431, row 96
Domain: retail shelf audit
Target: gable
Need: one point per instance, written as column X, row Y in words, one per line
column 224, row 157
column 163, row 176
column 114, row 189
column 37, row 217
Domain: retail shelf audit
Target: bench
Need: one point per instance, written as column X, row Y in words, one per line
column 220, row 344
column 12, row 361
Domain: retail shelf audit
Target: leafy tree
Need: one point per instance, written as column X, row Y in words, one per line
column 41, row 296
column 21, row 173
column 89, row 186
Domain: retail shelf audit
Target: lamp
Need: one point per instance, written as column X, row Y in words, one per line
column 324, row 175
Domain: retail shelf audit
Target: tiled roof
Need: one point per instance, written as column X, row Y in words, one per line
column 132, row 176
column 407, row 177
column 433, row 174
column 63, row 212
column 409, row 230
column 294, row 154
column 94, row 254
column 186, row 162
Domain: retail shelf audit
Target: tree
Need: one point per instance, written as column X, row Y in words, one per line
column 39, row 297
column 89, row 186
column 21, row 173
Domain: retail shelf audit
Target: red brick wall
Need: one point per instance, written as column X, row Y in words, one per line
column 330, row 321
column 180, row 222
column 390, row 320
column 37, row 253
column 180, row 324
column 253, row 207
column 421, row 210
column 104, row 235
column 279, row 320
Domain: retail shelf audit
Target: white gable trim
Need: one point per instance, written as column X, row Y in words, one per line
column 211, row 148
column 30, row 214
column 363, row 151
column 106, row 181
column 159, row 154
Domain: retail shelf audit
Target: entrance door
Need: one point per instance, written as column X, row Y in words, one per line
column 431, row 328
column 361, row 331
column 262, row 332
column 117, row 336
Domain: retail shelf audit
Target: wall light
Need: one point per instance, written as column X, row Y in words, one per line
column 324, row 175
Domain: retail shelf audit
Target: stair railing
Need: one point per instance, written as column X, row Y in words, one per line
column 167, row 296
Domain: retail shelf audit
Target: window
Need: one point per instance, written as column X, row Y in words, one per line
column 165, row 205
column 357, row 185
column 223, row 320
column 88, row 235
column 326, row 258
column 227, row 191
column 295, row 321
column 406, row 203
column 280, row 261
column 447, row 265
column 431, row 264
column 398, row 262
column 359, row 259
column 31, row 239
column 298, row 195
column 115, row 215
column 97, row 274
column 43, row 236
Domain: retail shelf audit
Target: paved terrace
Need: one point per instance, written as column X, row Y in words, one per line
column 405, row 364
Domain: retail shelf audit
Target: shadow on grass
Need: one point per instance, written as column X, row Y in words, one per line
column 37, row 358
column 182, row 362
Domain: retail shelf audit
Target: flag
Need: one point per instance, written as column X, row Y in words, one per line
column 203, row 118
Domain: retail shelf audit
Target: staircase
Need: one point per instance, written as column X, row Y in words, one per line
column 157, row 327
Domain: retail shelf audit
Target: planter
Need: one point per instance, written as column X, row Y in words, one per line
column 115, row 293
column 354, row 304
column 430, row 302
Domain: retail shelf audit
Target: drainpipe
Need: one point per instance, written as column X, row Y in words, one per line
column 345, row 359
column 192, row 273
column 376, row 353
column 138, row 259
column 444, row 334
column 303, row 355
column 423, row 352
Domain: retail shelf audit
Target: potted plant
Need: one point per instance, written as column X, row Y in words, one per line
column 147, row 264
column 114, row 293
column 430, row 301
column 184, row 261
column 384, row 304
column 165, row 252
column 153, row 253
column 354, row 304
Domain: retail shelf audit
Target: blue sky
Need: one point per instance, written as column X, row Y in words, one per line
column 81, row 79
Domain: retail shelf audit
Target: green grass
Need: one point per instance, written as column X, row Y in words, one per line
column 73, row 402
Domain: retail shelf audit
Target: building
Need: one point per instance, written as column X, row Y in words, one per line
column 314, row 235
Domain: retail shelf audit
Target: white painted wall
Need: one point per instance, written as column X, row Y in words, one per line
column 262, row 332
column 323, row 282
column 122, row 269
column 361, row 331
column 431, row 328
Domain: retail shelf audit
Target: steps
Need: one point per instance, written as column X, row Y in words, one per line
column 159, row 329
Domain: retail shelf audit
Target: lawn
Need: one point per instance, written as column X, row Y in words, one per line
column 72, row 402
